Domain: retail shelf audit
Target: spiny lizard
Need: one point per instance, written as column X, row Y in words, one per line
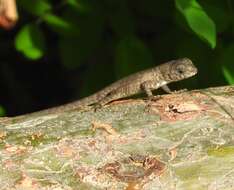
column 143, row 81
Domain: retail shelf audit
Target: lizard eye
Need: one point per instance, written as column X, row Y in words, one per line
column 180, row 70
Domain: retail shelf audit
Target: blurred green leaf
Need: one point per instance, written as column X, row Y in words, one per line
column 74, row 3
column 60, row 25
column 227, row 61
column 198, row 20
column 229, row 75
column 79, row 4
column 219, row 13
column 30, row 41
column 35, row 7
column 55, row 21
column 132, row 55
column 2, row 111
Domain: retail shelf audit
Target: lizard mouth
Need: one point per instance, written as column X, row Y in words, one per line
column 194, row 72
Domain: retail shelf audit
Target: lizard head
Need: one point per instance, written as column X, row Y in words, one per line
column 181, row 69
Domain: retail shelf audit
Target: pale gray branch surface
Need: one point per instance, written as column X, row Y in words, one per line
column 181, row 141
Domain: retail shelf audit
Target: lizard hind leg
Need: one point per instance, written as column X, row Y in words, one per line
column 106, row 99
column 112, row 95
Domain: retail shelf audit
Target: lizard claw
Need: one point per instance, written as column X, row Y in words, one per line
column 180, row 91
column 151, row 99
column 97, row 106
column 154, row 98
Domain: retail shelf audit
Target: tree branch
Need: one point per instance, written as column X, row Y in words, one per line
column 180, row 141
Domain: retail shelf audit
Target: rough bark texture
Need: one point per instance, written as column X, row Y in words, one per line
column 181, row 141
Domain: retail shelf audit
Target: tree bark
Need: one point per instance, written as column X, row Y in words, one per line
column 179, row 141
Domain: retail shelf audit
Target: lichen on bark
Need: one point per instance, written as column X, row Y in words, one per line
column 180, row 141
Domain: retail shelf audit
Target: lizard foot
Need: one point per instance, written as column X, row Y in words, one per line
column 80, row 108
column 151, row 99
column 179, row 91
column 154, row 98
column 96, row 107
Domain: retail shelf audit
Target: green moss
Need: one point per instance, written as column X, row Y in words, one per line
column 193, row 185
column 221, row 152
column 189, row 172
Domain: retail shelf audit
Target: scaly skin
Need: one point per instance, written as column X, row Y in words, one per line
column 143, row 81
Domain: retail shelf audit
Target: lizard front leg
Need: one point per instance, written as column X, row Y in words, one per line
column 147, row 87
column 166, row 89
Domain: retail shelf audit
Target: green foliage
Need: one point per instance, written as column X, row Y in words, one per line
column 37, row 7
column 133, row 35
column 218, row 13
column 74, row 3
column 227, row 59
column 2, row 111
column 30, row 41
column 198, row 20
column 60, row 25
column 228, row 75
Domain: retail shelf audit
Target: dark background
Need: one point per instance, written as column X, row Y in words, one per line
column 60, row 51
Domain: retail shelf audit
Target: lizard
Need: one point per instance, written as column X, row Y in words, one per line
column 144, row 81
